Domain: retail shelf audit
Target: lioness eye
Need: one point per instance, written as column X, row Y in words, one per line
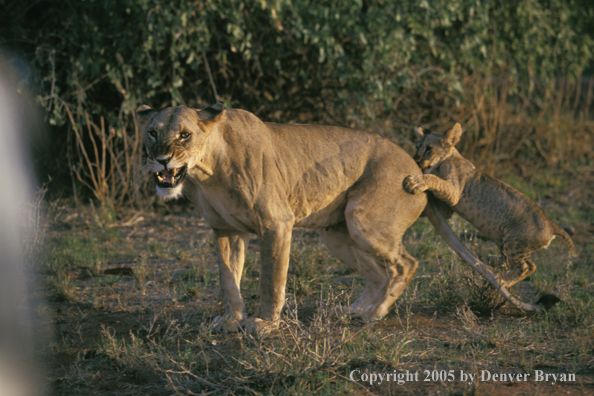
column 153, row 133
column 429, row 150
column 184, row 135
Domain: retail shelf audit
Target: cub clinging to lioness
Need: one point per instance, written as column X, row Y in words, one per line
column 497, row 210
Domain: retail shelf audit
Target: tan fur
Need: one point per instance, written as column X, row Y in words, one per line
column 246, row 176
column 496, row 209
column 266, row 178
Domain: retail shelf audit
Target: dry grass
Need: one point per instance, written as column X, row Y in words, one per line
column 132, row 294
column 140, row 324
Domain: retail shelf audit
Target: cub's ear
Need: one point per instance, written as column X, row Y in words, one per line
column 143, row 117
column 211, row 113
column 419, row 133
column 452, row 137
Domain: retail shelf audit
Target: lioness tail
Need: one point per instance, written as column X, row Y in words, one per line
column 442, row 227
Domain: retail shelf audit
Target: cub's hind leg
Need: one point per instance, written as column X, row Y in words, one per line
column 519, row 262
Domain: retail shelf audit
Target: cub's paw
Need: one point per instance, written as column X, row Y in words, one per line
column 225, row 324
column 259, row 326
column 414, row 184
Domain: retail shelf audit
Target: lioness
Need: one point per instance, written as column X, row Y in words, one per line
column 497, row 210
column 246, row 176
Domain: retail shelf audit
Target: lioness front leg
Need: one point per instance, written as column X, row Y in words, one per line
column 275, row 248
column 232, row 247
column 441, row 189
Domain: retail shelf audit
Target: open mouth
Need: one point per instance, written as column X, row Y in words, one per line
column 170, row 178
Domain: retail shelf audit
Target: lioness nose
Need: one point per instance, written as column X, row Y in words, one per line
column 163, row 161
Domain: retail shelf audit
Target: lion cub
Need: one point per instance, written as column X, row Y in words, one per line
column 497, row 210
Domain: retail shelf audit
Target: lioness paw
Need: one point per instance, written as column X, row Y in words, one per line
column 225, row 324
column 259, row 326
column 414, row 184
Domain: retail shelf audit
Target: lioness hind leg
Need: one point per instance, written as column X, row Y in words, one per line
column 412, row 262
column 342, row 246
column 386, row 276
column 399, row 273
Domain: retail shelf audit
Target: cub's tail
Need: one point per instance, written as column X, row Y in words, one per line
column 565, row 238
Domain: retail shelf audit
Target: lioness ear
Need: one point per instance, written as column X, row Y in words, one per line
column 143, row 117
column 211, row 113
column 452, row 136
column 419, row 133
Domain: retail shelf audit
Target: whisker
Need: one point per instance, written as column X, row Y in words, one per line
column 140, row 170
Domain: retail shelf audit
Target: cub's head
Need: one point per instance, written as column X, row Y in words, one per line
column 434, row 148
column 175, row 140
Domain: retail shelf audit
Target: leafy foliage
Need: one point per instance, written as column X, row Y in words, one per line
column 109, row 56
column 337, row 61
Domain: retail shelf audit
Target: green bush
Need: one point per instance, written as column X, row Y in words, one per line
column 108, row 56
column 340, row 61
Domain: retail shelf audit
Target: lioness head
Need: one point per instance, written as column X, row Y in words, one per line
column 433, row 148
column 175, row 140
